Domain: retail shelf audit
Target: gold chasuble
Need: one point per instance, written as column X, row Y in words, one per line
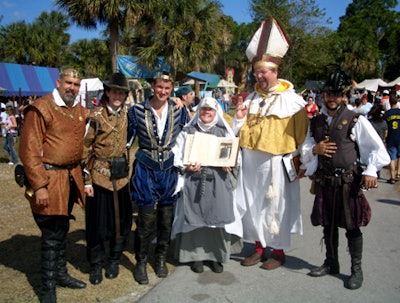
column 268, row 132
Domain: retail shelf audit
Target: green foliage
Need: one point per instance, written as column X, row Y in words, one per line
column 91, row 57
column 233, row 54
column 42, row 43
column 195, row 35
column 115, row 14
column 188, row 34
column 366, row 34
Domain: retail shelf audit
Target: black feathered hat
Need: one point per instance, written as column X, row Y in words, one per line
column 338, row 81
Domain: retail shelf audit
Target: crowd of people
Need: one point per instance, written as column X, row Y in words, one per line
column 208, row 210
column 382, row 109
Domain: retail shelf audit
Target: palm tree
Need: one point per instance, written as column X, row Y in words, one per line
column 188, row 34
column 50, row 27
column 90, row 56
column 43, row 42
column 13, row 37
column 114, row 14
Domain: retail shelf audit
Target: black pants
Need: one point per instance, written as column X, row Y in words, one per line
column 53, row 228
column 56, row 227
column 100, row 223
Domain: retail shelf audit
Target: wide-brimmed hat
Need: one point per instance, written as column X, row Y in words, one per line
column 117, row 81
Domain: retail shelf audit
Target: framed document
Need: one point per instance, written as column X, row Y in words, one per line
column 210, row 150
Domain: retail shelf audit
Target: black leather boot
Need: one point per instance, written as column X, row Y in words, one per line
column 143, row 236
column 96, row 256
column 95, row 274
column 48, row 271
column 161, row 268
column 164, row 226
column 63, row 279
column 116, row 248
column 355, row 248
column 140, row 272
column 331, row 263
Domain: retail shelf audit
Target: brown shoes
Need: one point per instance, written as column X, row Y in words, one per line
column 251, row 260
column 273, row 262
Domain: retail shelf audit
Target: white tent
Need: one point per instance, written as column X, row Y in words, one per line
column 371, row 84
column 91, row 85
column 394, row 82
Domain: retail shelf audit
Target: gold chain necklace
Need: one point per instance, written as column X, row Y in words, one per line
column 69, row 115
column 258, row 115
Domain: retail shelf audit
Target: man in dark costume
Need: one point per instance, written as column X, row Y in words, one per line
column 108, row 205
column 342, row 152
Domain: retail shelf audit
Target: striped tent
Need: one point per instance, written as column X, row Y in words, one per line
column 27, row 80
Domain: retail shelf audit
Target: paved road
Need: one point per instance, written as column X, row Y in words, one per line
column 290, row 283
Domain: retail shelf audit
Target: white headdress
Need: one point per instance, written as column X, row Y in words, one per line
column 219, row 117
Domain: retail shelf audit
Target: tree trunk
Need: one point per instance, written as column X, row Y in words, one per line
column 114, row 42
column 197, row 83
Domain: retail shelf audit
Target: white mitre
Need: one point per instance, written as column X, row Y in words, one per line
column 268, row 45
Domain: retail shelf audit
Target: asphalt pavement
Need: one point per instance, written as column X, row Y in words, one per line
column 290, row 282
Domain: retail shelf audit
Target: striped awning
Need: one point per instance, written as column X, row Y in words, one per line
column 27, row 80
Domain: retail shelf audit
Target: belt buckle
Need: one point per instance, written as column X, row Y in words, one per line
column 338, row 172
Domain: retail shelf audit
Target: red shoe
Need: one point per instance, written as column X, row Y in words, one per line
column 273, row 262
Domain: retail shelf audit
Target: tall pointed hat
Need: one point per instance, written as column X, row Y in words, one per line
column 268, row 45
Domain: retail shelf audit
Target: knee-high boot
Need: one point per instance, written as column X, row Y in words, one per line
column 96, row 257
column 331, row 263
column 143, row 234
column 355, row 248
column 164, row 226
column 63, row 278
column 48, row 271
column 117, row 246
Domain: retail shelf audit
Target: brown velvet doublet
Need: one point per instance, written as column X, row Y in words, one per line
column 54, row 135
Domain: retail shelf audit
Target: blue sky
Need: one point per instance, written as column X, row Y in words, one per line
column 28, row 10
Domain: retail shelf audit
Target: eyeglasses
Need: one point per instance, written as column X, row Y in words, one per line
column 261, row 73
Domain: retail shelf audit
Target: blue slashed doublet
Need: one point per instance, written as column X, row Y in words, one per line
column 154, row 177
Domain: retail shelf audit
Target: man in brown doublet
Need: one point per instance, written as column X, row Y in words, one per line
column 51, row 149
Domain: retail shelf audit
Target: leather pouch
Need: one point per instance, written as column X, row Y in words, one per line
column 119, row 168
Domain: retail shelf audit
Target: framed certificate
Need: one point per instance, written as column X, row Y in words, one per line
column 210, row 150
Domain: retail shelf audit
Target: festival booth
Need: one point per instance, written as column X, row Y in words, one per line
column 375, row 85
column 27, row 80
column 133, row 69
column 209, row 80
